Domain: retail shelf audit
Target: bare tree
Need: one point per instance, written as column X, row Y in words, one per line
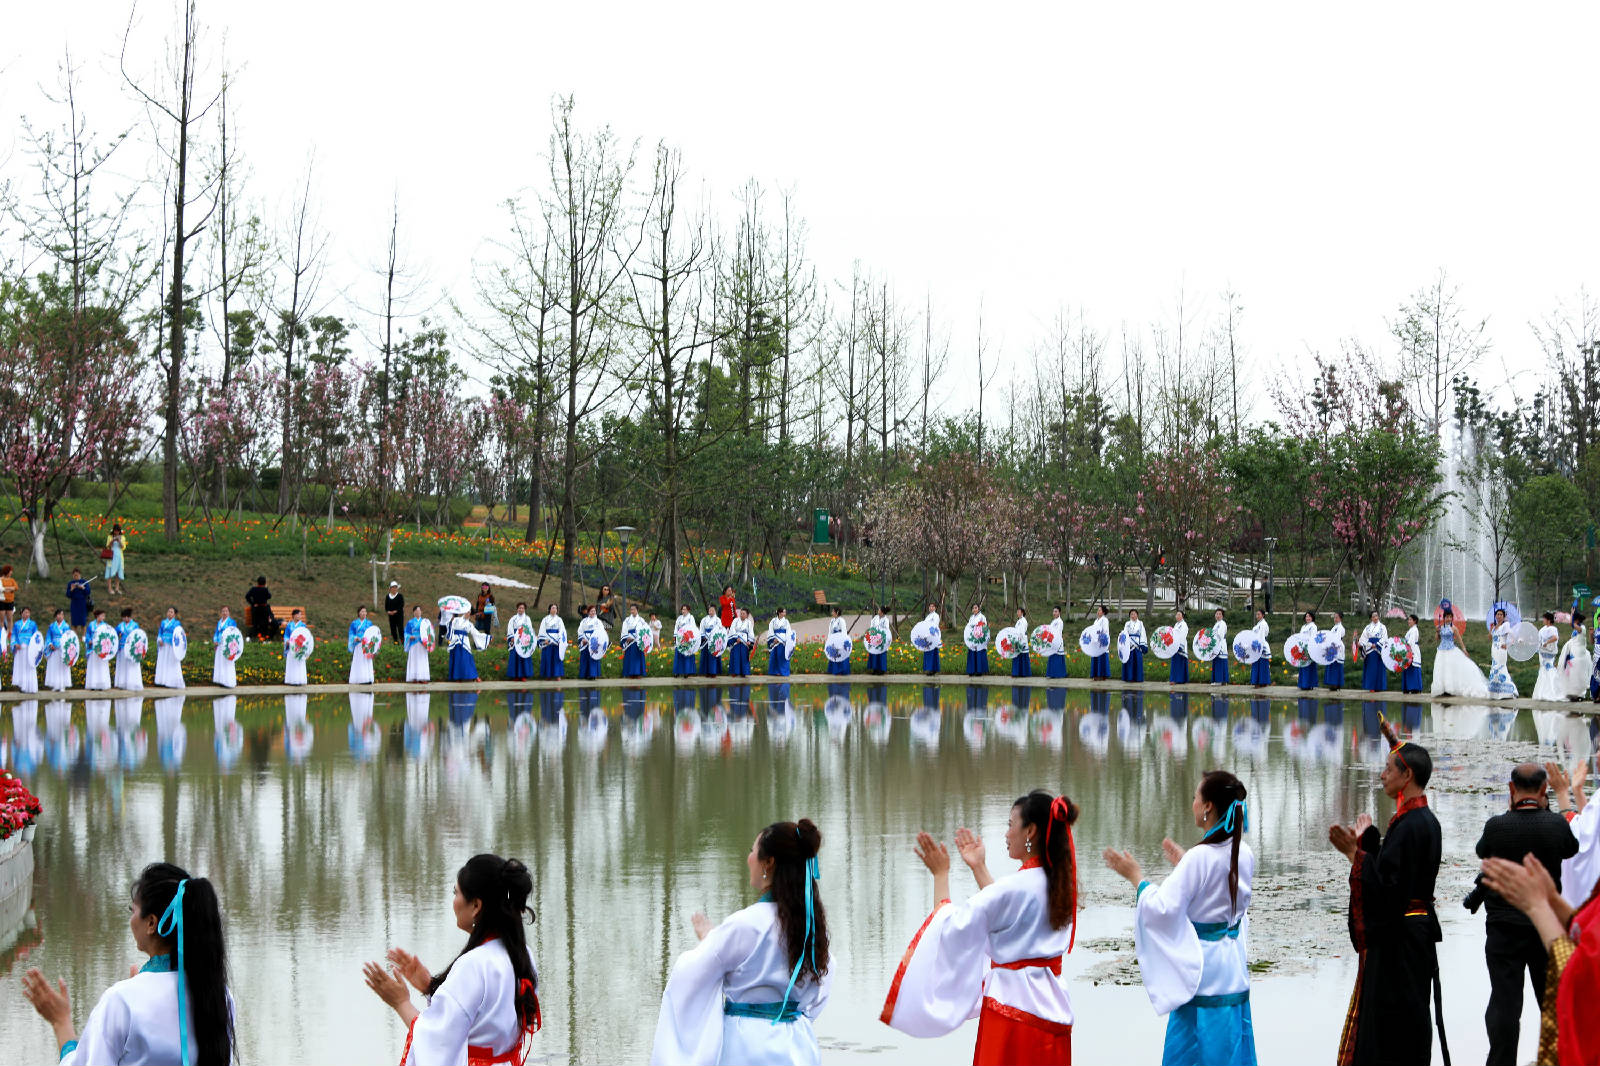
column 1438, row 343
column 180, row 113
column 303, row 249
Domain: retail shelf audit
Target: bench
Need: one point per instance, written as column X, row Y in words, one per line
column 822, row 599
column 280, row 618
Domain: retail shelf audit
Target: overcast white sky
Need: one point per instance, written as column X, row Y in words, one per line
column 1323, row 161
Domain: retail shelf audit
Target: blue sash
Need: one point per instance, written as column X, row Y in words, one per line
column 772, row 1012
column 1216, row 930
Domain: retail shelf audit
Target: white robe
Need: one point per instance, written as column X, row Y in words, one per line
column 1177, row 965
column 25, row 665
column 1577, row 664
column 586, row 626
column 1414, row 639
column 1261, row 629
column 1579, row 873
column 476, row 1006
column 744, row 960
column 361, row 672
column 135, row 1022
column 552, row 630
column 1550, row 685
column 57, row 674
column 879, row 621
column 633, row 625
column 169, row 668
column 130, row 671
column 222, row 668
column 944, row 980
column 969, row 634
column 779, row 627
column 1220, row 628
column 418, row 668
column 1336, row 631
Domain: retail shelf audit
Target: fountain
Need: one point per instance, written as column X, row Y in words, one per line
column 1454, row 561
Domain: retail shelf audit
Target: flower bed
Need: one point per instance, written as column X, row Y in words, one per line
column 19, row 810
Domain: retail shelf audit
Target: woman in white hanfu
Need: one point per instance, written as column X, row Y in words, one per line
column 997, row 957
column 1577, row 662
column 1190, row 932
column 174, row 1008
column 1550, row 684
column 749, row 992
column 1454, row 674
column 418, row 636
column 484, row 1006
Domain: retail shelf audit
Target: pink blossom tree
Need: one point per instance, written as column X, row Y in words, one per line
column 64, row 405
column 1189, row 515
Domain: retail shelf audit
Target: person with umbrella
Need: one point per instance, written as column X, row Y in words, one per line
column 457, row 632
column 1501, row 687
column 1373, row 676
column 1411, row 676
column 1333, row 675
column 519, row 645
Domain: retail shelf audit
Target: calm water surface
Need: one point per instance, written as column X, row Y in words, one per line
column 333, row 828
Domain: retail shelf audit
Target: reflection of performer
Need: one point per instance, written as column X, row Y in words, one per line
column 1190, row 931
column 1393, row 925
column 997, row 956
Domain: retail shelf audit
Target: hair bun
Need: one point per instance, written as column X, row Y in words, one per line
column 810, row 838
column 516, row 880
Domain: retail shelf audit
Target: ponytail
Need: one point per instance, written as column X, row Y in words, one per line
column 1053, row 818
column 1226, row 794
column 793, row 847
column 502, row 887
column 191, row 920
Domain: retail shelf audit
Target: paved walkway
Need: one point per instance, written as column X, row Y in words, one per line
column 1274, row 692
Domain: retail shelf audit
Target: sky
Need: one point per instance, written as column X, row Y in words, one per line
column 1323, row 162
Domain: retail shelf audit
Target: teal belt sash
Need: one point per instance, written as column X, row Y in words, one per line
column 772, row 1012
column 1216, row 930
column 1231, row 999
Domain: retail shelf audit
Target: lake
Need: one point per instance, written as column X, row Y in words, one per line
column 333, row 828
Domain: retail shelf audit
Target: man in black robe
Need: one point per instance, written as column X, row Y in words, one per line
column 1393, row 924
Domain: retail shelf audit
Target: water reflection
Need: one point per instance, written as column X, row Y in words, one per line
column 330, row 825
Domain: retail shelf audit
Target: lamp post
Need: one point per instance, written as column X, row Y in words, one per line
column 1272, row 542
column 623, row 532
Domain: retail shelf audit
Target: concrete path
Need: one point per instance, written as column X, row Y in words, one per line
column 1274, row 692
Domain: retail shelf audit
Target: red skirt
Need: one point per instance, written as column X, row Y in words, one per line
column 1011, row 1037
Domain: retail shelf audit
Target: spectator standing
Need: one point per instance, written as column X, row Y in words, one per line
column 484, row 610
column 394, row 605
column 727, row 606
column 79, row 600
column 655, row 630
column 263, row 626
column 606, row 605
column 8, row 599
column 1511, row 944
column 112, row 553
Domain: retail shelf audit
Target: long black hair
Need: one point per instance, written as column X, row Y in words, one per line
column 1220, row 789
column 791, row 846
column 1039, row 809
column 502, row 886
column 205, row 958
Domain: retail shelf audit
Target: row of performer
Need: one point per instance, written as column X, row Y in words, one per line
column 114, row 655
column 752, row 987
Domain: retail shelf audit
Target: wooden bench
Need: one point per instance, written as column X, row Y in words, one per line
column 822, row 599
column 281, row 615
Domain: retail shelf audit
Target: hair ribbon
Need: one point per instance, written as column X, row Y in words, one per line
column 1239, row 806
column 813, row 873
column 171, row 924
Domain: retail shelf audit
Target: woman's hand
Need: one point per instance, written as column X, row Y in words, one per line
column 53, row 1004
column 410, row 967
column 971, row 849
column 386, row 983
column 1124, row 865
column 702, row 925
column 1172, row 851
column 934, row 855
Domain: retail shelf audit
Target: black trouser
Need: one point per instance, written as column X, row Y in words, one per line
column 1509, row 948
column 396, row 626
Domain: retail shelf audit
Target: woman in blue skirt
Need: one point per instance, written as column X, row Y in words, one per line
column 930, row 657
column 1100, row 665
column 780, row 643
column 1219, row 662
column 976, row 638
column 1180, row 659
column 1261, row 669
column 518, row 667
column 1022, row 665
column 1055, row 665
column 1308, row 673
column 634, row 629
column 1411, row 677
column 685, row 644
column 1374, row 677
column 836, row 625
column 710, row 655
column 1333, row 675
column 881, row 634
column 552, row 641
column 741, row 637
column 1138, row 641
